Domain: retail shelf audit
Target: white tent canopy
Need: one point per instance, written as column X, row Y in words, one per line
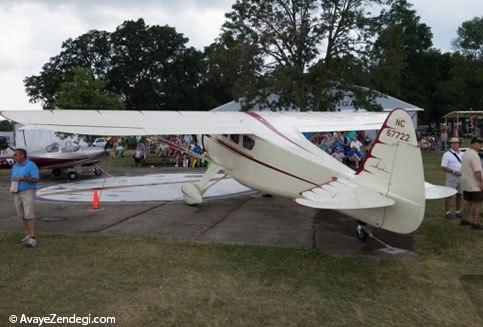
column 388, row 103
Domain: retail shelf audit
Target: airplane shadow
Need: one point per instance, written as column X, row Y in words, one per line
column 335, row 233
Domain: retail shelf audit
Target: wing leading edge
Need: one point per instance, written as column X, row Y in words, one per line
column 114, row 122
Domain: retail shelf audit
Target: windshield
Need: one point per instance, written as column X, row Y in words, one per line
column 70, row 147
column 66, row 147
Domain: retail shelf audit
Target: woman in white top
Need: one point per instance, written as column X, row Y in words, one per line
column 356, row 144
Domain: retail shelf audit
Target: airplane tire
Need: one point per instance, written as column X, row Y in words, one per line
column 72, row 175
column 97, row 172
column 56, row 172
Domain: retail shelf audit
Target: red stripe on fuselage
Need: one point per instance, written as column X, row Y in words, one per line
column 233, row 149
column 273, row 129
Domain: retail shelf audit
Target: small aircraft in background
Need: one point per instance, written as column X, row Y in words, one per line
column 267, row 152
column 58, row 157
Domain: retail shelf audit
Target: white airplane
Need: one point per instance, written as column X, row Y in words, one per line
column 266, row 151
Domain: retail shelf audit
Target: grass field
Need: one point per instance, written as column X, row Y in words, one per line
column 149, row 281
column 128, row 161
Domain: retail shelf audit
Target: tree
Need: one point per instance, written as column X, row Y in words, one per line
column 470, row 38
column 150, row 67
column 403, row 38
column 6, row 126
column 295, row 37
column 85, row 91
column 90, row 51
column 461, row 88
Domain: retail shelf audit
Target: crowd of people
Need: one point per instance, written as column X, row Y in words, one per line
column 348, row 147
column 464, row 173
column 184, row 149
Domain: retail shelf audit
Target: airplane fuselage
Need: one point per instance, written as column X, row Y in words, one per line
column 286, row 166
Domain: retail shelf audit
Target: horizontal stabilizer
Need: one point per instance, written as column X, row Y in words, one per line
column 340, row 195
column 433, row 192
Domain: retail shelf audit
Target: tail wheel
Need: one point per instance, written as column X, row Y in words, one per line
column 72, row 175
column 362, row 234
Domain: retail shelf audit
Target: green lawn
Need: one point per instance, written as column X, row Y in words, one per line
column 150, row 281
column 128, row 161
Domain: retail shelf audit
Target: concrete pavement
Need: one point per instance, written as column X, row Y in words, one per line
column 248, row 219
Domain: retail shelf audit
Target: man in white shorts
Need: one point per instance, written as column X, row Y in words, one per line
column 451, row 164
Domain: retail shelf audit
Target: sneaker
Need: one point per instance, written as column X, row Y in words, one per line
column 24, row 239
column 31, row 242
column 476, row 226
column 465, row 222
column 449, row 215
column 459, row 214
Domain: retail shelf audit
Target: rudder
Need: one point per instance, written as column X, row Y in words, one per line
column 394, row 167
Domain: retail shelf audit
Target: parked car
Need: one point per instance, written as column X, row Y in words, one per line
column 100, row 142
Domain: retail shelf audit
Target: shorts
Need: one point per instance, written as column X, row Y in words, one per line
column 24, row 202
column 473, row 196
column 138, row 159
column 454, row 182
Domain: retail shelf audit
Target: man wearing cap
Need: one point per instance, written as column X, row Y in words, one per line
column 472, row 184
column 451, row 164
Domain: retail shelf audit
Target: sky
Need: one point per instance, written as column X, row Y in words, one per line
column 32, row 31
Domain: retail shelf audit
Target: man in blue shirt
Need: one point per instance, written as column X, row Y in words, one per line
column 24, row 176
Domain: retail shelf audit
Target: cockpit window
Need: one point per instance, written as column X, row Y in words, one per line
column 70, row 147
column 54, row 147
column 248, row 142
column 235, row 138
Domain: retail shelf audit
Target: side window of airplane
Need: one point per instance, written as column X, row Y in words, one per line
column 54, row 147
column 248, row 142
column 235, row 138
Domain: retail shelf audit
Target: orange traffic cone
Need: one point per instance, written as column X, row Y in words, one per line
column 95, row 200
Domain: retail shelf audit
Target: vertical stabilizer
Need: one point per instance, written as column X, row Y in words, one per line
column 394, row 167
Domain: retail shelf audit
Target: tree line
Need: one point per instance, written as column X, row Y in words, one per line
column 309, row 53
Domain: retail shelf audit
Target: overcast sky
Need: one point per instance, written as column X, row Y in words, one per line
column 32, row 31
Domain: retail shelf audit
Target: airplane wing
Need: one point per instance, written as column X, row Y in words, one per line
column 127, row 122
column 341, row 194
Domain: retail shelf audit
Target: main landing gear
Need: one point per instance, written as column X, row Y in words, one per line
column 193, row 192
column 97, row 171
column 72, row 175
column 74, row 172
column 56, row 172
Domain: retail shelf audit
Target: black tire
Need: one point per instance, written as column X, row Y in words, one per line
column 97, row 172
column 72, row 175
column 362, row 234
column 56, row 172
